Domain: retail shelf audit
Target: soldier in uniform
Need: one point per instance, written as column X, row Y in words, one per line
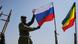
column 2, row 38
column 24, row 29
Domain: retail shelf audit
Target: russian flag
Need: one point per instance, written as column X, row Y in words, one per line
column 44, row 14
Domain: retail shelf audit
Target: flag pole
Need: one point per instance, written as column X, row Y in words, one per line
column 75, row 34
column 55, row 32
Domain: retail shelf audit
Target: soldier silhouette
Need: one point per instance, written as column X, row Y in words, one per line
column 24, row 29
column 2, row 38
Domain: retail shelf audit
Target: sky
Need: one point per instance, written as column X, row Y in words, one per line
column 45, row 35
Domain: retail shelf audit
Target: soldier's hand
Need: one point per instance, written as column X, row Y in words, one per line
column 38, row 27
column 33, row 11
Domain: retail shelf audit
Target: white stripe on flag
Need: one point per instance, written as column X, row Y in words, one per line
column 43, row 8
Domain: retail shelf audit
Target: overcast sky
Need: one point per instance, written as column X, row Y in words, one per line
column 45, row 35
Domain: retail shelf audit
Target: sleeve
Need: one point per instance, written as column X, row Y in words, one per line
column 30, row 28
column 32, row 20
column 26, row 28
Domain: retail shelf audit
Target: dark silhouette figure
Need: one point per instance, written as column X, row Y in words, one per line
column 24, row 29
column 2, row 38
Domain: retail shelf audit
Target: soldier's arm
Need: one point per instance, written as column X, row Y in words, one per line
column 35, row 28
column 30, row 28
column 33, row 18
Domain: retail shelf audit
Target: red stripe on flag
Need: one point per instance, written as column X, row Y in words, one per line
column 71, row 23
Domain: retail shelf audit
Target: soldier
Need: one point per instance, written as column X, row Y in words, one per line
column 24, row 30
column 2, row 38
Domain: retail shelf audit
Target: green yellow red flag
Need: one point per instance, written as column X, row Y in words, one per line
column 70, row 18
